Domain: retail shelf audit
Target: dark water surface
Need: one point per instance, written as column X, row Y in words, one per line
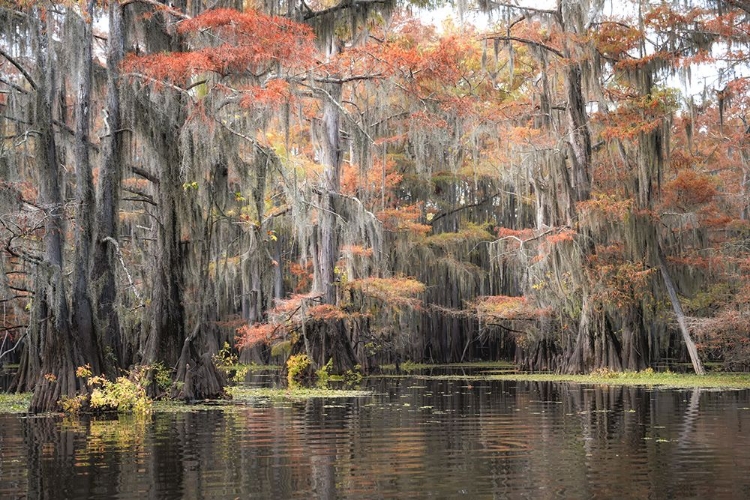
column 414, row 438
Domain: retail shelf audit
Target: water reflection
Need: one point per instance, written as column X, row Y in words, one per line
column 413, row 438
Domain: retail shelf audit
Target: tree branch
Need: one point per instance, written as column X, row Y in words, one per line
column 506, row 38
column 19, row 67
column 743, row 5
column 145, row 174
column 13, row 85
column 465, row 207
column 532, row 10
column 347, row 79
column 344, row 4
column 2, row 354
column 116, row 245
column 158, row 6
column 148, row 200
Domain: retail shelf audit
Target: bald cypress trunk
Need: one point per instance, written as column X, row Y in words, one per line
column 331, row 157
column 60, row 351
column 166, row 313
column 579, row 136
column 83, row 315
column 197, row 376
column 107, row 203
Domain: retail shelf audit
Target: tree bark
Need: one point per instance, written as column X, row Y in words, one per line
column 197, row 376
column 580, row 139
column 108, row 200
column 331, row 156
column 83, row 316
column 60, row 351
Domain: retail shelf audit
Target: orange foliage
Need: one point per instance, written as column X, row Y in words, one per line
column 615, row 39
column 303, row 275
column 561, row 236
column 252, row 43
column 274, row 93
column 689, row 189
column 427, row 121
column 357, row 250
column 135, row 183
column 637, row 115
column 726, row 337
column 609, row 207
column 352, row 180
column 397, row 291
column 326, row 312
column 620, row 283
column 503, row 307
column 259, row 333
column 404, row 218
column 521, row 234
column 697, row 261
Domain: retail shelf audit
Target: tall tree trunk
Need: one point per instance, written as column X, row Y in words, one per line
column 331, row 157
column 60, row 351
column 580, row 138
column 197, row 376
column 166, row 332
column 83, row 316
column 635, row 348
column 108, row 200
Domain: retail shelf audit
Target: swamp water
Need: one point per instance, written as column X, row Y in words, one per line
column 414, row 437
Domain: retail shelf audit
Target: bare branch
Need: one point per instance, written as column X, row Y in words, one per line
column 526, row 41
column 18, row 342
column 158, row 6
column 525, row 10
column 145, row 174
column 344, row 4
column 465, row 207
column 114, row 243
column 13, row 85
column 19, row 67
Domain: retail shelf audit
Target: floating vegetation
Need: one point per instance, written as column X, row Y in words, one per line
column 238, row 372
column 643, row 378
column 409, row 367
column 174, row 406
column 15, row 403
column 648, row 377
column 254, row 394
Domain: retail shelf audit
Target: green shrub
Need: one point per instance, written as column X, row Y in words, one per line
column 123, row 395
column 354, row 376
column 162, row 376
column 281, row 349
column 297, row 367
column 324, row 374
column 226, row 357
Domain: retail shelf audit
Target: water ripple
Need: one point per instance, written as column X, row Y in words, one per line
column 416, row 439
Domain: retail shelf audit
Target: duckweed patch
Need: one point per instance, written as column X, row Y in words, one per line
column 253, row 394
column 409, row 367
column 643, row 378
column 648, row 377
column 172, row 406
column 15, row 403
